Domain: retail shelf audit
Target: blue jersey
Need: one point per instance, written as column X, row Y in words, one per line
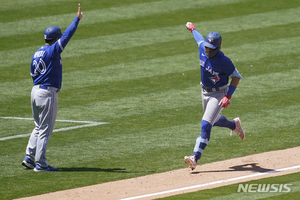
column 215, row 71
column 46, row 64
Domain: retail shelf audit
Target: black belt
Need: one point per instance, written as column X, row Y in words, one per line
column 208, row 89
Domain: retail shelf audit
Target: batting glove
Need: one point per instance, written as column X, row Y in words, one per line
column 226, row 101
column 190, row 26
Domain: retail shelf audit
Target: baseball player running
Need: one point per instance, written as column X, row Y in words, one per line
column 46, row 72
column 216, row 69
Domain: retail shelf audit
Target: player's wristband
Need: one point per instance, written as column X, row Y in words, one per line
column 231, row 90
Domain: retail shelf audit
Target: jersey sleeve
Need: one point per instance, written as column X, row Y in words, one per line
column 66, row 36
column 198, row 37
column 236, row 73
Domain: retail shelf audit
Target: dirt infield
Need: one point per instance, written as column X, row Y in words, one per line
column 180, row 181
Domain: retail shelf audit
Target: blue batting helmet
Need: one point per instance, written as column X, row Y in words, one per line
column 213, row 40
column 52, row 33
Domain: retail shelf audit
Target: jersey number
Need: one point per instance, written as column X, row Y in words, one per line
column 39, row 67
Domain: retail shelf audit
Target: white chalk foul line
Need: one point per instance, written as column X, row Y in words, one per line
column 86, row 124
column 212, row 183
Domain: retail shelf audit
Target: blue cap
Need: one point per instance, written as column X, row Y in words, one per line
column 52, row 33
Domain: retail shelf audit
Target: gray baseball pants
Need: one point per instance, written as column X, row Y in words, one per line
column 44, row 104
column 210, row 103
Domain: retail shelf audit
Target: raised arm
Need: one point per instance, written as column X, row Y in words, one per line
column 68, row 33
column 198, row 37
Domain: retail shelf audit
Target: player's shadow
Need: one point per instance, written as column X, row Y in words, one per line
column 247, row 167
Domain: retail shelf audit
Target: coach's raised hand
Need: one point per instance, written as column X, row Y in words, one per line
column 79, row 13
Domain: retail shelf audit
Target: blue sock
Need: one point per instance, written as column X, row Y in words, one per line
column 202, row 141
column 223, row 122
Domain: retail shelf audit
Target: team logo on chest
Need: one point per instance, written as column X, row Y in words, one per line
column 215, row 75
column 214, row 79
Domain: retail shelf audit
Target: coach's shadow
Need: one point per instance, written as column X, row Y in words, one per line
column 88, row 169
column 247, row 167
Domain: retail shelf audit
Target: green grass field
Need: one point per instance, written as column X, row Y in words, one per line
column 133, row 64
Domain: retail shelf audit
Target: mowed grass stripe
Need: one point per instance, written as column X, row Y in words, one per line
column 139, row 104
column 148, row 37
column 178, row 63
column 140, row 142
column 159, row 66
column 270, row 82
column 108, row 14
column 161, row 20
column 275, row 119
column 174, row 99
column 11, row 4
